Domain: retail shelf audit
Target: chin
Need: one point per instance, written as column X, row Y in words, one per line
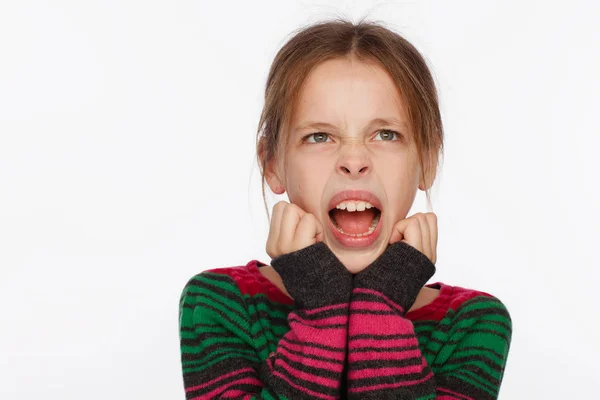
column 356, row 259
column 355, row 263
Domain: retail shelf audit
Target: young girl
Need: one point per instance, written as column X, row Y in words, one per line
column 350, row 129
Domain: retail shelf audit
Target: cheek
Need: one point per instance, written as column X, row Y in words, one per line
column 306, row 190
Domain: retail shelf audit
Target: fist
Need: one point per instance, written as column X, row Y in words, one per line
column 292, row 229
column 420, row 231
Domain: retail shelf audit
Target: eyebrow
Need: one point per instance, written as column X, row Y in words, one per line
column 377, row 121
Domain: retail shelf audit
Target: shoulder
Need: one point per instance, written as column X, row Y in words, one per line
column 462, row 297
column 213, row 297
column 240, row 280
column 215, row 282
column 473, row 307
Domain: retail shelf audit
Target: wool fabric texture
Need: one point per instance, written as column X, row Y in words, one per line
column 342, row 336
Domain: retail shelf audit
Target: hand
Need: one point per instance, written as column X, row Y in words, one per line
column 292, row 229
column 420, row 231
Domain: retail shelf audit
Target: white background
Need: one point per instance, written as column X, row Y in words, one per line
column 127, row 166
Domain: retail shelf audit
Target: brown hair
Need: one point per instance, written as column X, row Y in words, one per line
column 366, row 41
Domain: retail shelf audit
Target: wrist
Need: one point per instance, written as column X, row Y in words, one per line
column 314, row 276
column 399, row 273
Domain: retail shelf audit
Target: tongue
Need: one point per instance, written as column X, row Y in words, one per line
column 354, row 222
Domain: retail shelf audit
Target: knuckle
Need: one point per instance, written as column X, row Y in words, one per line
column 308, row 217
column 432, row 217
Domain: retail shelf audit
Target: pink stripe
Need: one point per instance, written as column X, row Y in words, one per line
column 392, row 355
column 338, row 319
column 300, row 388
column 368, row 305
column 313, row 350
column 333, row 337
column 383, row 296
column 235, row 394
column 326, row 308
column 382, row 343
column 380, row 372
column 379, row 324
column 328, row 365
column 223, row 388
column 320, row 380
column 390, row 385
column 220, row 378
column 456, row 394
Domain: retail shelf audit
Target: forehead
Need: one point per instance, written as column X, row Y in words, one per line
column 348, row 91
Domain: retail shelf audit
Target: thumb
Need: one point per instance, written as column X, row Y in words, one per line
column 398, row 231
column 318, row 231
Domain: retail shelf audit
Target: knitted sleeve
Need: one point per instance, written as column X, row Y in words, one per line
column 385, row 361
column 218, row 353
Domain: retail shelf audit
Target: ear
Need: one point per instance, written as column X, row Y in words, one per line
column 271, row 172
column 273, row 179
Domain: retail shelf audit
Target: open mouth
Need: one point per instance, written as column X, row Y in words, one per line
column 355, row 218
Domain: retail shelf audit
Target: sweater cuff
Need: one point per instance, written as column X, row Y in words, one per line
column 314, row 276
column 399, row 273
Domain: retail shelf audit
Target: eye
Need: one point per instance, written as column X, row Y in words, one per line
column 388, row 135
column 320, row 137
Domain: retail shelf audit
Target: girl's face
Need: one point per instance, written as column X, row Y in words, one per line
column 350, row 131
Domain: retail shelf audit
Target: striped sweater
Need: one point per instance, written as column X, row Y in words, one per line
column 342, row 336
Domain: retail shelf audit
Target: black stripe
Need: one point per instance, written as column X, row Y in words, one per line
column 374, row 312
column 383, row 349
column 328, row 313
column 456, row 384
column 316, row 345
column 285, row 345
column 381, row 337
column 283, row 388
column 376, row 364
column 189, row 356
column 201, row 377
column 458, row 360
column 409, row 393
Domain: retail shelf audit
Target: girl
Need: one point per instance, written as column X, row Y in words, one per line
column 350, row 129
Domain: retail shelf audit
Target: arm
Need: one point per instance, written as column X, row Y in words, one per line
column 218, row 356
column 385, row 361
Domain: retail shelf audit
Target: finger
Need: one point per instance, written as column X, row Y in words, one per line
column 425, row 235
column 433, row 228
column 412, row 233
column 289, row 223
column 275, row 228
column 398, row 231
column 319, row 230
column 307, row 231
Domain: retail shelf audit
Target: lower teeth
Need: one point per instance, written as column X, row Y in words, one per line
column 367, row 233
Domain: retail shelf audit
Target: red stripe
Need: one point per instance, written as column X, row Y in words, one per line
column 335, row 320
column 389, row 301
column 454, row 395
column 326, row 308
column 334, row 365
column 381, row 372
column 301, row 388
column 391, row 385
column 216, row 391
column 320, row 380
column 388, row 355
column 308, row 349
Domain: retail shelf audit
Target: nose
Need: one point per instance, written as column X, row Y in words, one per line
column 354, row 165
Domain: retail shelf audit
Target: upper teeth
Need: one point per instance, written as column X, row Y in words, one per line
column 352, row 205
